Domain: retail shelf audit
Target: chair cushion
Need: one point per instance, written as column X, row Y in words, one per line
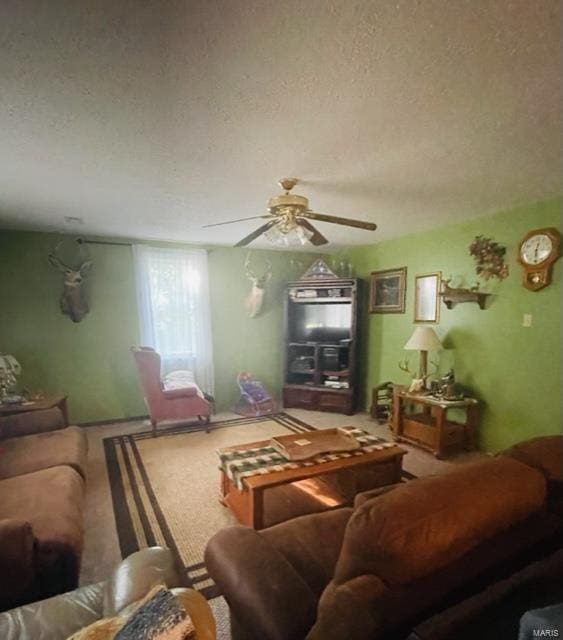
column 181, row 380
column 186, row 392
column 44, row 450
column 421, row 526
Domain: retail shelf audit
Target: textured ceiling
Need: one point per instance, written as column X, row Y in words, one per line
column 150, row 119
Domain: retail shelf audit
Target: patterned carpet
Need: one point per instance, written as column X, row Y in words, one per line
column 165, row 490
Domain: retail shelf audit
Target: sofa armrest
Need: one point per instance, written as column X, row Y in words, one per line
column 267, row 597
column 136, row 576
column 363, row 497
column 55, row 618
column 199, row 611
column 25, row 424
column 17, row 566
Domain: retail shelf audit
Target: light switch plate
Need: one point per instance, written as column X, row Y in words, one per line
column 527, row 320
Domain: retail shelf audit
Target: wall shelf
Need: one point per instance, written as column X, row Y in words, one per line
column 451, row 297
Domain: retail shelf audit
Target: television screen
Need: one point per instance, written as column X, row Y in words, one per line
column 321, row 322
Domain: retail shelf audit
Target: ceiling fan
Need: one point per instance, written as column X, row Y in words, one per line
column 289, row 218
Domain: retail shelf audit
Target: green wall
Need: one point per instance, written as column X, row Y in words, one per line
column 91, row 361
column 515, row 371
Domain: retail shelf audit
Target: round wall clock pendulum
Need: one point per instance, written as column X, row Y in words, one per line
column 538, row 251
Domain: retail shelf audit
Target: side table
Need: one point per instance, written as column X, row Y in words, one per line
column 37, row 405
column 429, row 427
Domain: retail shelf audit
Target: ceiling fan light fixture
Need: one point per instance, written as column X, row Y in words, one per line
column 275, row 236
column 281, row 238
column 289, row 220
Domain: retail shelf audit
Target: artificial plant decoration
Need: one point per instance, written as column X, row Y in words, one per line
column 489, row 258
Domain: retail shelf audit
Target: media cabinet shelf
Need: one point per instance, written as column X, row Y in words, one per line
column 326, row 300
column 321, row 330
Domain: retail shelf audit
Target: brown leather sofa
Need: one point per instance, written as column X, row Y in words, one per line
column 59, row 617
column 407, row 559
column 42, row 477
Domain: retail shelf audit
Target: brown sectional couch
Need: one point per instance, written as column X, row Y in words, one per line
column 402, row 557
column 42, row 476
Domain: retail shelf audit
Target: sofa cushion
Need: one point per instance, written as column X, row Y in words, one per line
column 17, row 563
column 546, row 455
column 51, row 500
column 421, row 526
column 27, row 454
column 494, row 612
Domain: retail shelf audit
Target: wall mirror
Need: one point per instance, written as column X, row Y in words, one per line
column 427, row 297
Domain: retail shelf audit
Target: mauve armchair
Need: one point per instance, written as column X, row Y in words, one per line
column 168, row 404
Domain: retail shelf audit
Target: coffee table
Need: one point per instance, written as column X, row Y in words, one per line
column 376, row 468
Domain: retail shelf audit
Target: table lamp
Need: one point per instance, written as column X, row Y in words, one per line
column 9, row 369
column 423, row 339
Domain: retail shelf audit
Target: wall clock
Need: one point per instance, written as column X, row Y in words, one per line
column 539, row 249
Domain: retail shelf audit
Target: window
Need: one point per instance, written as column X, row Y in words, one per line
column 174, row 316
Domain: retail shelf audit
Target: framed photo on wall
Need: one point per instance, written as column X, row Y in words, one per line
column 427, row 297
column 387, row 291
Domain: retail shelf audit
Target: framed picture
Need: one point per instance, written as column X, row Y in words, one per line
column 427, row 297
column 387, row 291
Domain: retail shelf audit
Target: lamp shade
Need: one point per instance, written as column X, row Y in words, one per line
column 424, row 339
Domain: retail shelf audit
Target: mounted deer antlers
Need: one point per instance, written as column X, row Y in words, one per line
column 72, row 301
column 417, row 383
column 255, row 298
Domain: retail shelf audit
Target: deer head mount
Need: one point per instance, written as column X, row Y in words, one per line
column 72, row 301
column 255, row 298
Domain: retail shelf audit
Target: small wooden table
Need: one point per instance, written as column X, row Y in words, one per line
column 248, row 504
column 430, row 429
column 37, row 405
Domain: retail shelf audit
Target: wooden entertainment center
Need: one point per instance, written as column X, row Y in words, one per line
column 320, row 343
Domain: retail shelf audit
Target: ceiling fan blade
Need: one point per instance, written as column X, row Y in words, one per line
column 218, row 224
column 317, row 238
column 348, row 222
column 258, row 232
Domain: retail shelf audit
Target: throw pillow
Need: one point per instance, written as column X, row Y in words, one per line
column 159, row 616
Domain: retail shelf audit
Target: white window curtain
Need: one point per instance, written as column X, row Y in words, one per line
column 174, row 315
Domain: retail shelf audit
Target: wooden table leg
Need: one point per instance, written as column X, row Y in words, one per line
column 257, row 508
column 223, row 487
column 396, row 424
column 440, row 418
column 398, row 469
column 470, row 426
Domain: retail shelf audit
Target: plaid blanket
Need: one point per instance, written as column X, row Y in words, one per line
column 243, row 463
